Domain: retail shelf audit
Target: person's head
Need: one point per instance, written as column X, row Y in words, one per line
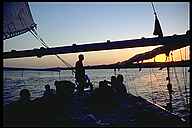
column 113, row 79
column 47, row 87
column 120, row 78
column 81, row 57
column 101, row 84
column 64, row 88
column 25, row 94
column 106, row 83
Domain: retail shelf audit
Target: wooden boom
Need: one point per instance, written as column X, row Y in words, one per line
column 169, row 40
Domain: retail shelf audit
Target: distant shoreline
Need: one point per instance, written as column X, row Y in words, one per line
column 113, row 66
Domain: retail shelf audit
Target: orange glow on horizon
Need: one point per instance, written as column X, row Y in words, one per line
column 178, row 55
column 93, row 58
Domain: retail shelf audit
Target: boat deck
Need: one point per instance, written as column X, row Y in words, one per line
column 131, row 111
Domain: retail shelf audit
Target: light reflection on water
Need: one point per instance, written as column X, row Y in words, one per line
column 150, row 83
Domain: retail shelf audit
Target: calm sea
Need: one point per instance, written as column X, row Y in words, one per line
column 150, row 83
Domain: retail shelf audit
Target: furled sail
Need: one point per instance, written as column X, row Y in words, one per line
column 157, row 29
column 17, row 19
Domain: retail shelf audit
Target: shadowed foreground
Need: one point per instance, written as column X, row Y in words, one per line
column 90, row 109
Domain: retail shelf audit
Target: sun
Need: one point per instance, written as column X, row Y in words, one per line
column 160, row 58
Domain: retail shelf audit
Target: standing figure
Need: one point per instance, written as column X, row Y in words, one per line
column 80, row 74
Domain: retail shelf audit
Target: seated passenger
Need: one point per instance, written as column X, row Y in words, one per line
column 48, row 91
column 102, row 98
column 100, row 94
column 121, row 89
column 64, row 88
column 20, row 110
column 102, row 84
column 25, row 96
column 61, row 102
column 113, row 83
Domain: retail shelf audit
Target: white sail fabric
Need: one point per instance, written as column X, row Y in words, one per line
column 17, row 19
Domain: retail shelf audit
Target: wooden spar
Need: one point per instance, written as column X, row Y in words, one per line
column 169, row 40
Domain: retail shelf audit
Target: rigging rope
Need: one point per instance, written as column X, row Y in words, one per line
column 39, row 78
column 44, row 44
column 36, row 35
column 132, row 80
column 127, row 87
column 152, row 97
column 140, row 71
column 23, row 77
column 157, row 31
column 160, row 87
column 181, row 55
column 178, row 83
column 185, row 68
column 135, row 88
column 154, row 9
column 185, row 78
column 59, row 75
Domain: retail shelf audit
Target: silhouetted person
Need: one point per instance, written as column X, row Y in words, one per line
column 20, row 110
column 113, row 80
column 102, row 84
column 102, row 98
column 48, row 91
column 121, row 89
column 25, row 96
column 64, row 89
column 113, row 83
column 63, row 99
column 80, row 74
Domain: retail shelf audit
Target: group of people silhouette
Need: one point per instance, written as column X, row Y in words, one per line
column 41, row 108
column 106, row 97
column 116, row 83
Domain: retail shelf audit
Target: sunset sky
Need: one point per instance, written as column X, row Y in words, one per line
column 63, row 24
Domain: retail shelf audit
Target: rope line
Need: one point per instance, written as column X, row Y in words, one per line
column 23, row 77
column 160, row 86
column 66, row 63
column 44, row 44
column 185, row 78
column 153, row 9
column 152, row 97
column 178, row 83
column 180, row 55
column 131, row 80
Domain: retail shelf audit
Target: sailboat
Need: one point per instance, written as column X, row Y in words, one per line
column 131, row 111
